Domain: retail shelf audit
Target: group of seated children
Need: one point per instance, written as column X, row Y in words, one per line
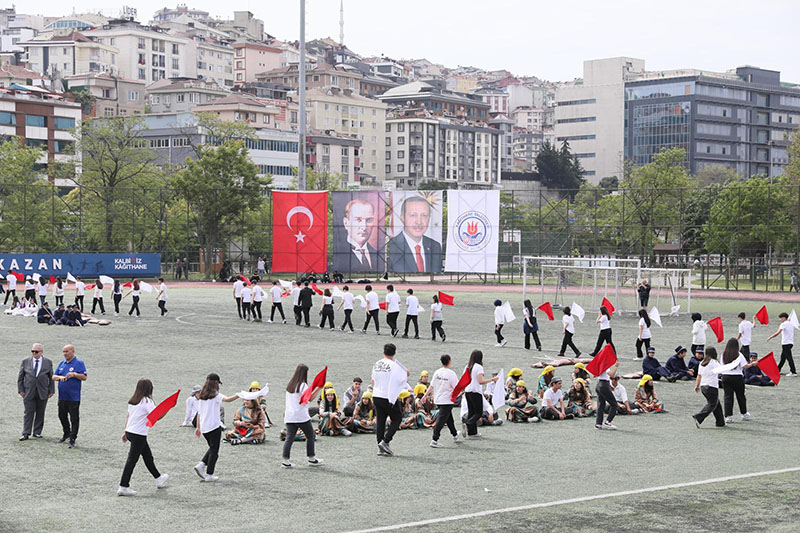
column 63, row 316
column 675, row 368
column 22, row 307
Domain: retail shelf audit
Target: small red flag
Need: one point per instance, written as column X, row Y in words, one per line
column 246, row 281
column 382, row 305
column 316, row 289
column 762, row 315
column 18, row 275
column 128, row 285
column 162, row 409
column 284, row 294
column 547, row 309
column 52, row 279
column 461, row 385
column 716, row 326
column 604, row 360
column 769, row 367
column 318, row 383
column 605, row 303
column 89, row 287
column 445, row 299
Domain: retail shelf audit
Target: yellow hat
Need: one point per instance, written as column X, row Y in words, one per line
column 520, row 383
column 330, row 391
column 255, row 385
column 367, row 394
column 580, row 365
column 423, row 374
column 548, row 368
column 328, row 385
column 645, row 379
column 581, row 381
column 404, row 394
column 515, row 372
column 420, row 389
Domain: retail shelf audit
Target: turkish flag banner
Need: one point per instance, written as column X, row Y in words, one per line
column 762, row 315
column 604, row 360
column 547, row 309
column 299, row 231
column 610, row 308
column 769, row 367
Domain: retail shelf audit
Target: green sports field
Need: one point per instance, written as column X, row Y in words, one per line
column 46, row 487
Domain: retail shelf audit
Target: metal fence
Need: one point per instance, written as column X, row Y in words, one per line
column 740, row 237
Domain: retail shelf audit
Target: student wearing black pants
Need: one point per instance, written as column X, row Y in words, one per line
column 733, row 380
column 98, row 297
column 209, row 425
column 605, row 397
column 530, row 327
column 604, row 319
column 392, row 309
column 373, row 309
column 139, row 406
column 327, row 310
column 388, row 378
column 568, row 322
column 384, row 410
column 297, row 418
column 786, row 331
column 474, row 393
column 135, row 291
column 372, row 315
column 116, row 293
column 707, row 382
column 347, row 303
column 436, row 319
column 441, row 389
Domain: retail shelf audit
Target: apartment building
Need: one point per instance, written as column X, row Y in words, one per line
column 434, row 98
column 254, row 112
column 320, row 75
column 15, row 74
column 332, row 153
column 70, row 54
column 181, row 95
column 252, row 57
column 506, row 127
column 111, row 95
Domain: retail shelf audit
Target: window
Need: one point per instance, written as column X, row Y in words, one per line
column 293, row 117
column 7, row 118
column 576, row 138
column 180, row 98
column 401, row 139
column 159, row 143
column 401, row 128
column 345, row 109
column 584, row 156
column 141, row 44
column 577, row 119
column 401, row 168
column 762, row 136
column 388, row 128
column 401, row 154
column 345, row 151
column 174, row 48
column 178, row 142
column 577, row 102
column 36, row 143
column 388, row 155
column 762, row 118
column 133, row 96
column 142, row 74
column 63, row 123
column 388, row 169
column 35, row 120
column 315, row 77
column 326, row 121
column 61, row 147
column 762, row 100
column 175, row 64
column 238, row 76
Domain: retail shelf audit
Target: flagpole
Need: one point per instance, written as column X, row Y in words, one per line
column 301, row 169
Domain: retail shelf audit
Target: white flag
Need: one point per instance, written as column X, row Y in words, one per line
column 285, row 284
column 247, row 395
column 473, row 231
column 361, row 299
column 337, row 292
column 105, row 280
column 35, row 276
column 793, row 319
column 578, row 311
column 499, row 391
column 146, row 287
column 674, row 310
column 420, row 308
column 655, row 316
column 509, row 314
column 71, row 278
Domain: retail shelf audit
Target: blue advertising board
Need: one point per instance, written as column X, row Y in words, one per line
column 86, row 265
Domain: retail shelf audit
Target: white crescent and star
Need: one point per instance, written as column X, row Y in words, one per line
column 305, row 211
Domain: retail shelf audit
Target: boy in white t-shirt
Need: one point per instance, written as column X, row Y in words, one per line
column 392, row 309
column 745, row 335
column 499, row 322
column 347, row 303
column 412, row 313
column 238, row 285
column 275, row 292
column 553, row 402
column 786, row 331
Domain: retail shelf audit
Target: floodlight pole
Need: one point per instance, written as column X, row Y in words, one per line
column 301, row 168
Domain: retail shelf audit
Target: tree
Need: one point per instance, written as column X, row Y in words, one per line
column 220, row 187
column 559, row 168
column 318, row 181
column 793, row 169
column 433, row 185
column 609, row 183
column 716, row 175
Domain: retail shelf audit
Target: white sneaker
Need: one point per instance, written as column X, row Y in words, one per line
column 533, row 419
column 435, row 444
column 346, row 432
column 746, row 416
column 504, row 342
column 161, row 481
column 287, row 464
column 476, row 436
column 458, row 439
column 211, row 478
column 729, row 420
column 200, row 469
column 607, row 425
column 126, row 491
column 284, row 321
column 316, row 461
column 791, row 374
column 269, row 321
column 498, row 345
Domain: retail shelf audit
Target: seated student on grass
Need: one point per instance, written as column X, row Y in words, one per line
column 313, row 411
column 424, row 378
column 677, row 366
column 332, row 421
column 553, row 403
column 425, row 408
column 409, row 420
column 44, row 315
column 364, row 415
column 754, row 376
column 58, row 315
column 621, row 396
column 518, row 408
column 694, row 363
column 248, row 424
column 488, row 416
column 580, row 372
column 646, row 398
column 580, row 399
column 262, row 403
column 651, row 367
column 545, row 378
column 514, row 375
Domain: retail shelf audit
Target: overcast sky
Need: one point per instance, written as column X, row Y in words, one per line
column 549, row 39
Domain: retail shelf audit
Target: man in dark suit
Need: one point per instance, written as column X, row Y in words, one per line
column 357, row 254
column 305, row 302
column 35, row 385
column 411, row 250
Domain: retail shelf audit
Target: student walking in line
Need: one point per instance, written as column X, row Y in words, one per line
column 606, row 399
column 80, row 289
column 437, row 317
column 247, row 300
column 41, row 287
column 388, row 379
column 134, row 291
column 297, row 418
column 412, row 313
column 258, row 298
column 116, row 294
column 58, row 291
column 568, row 322
column 604, row 319
column 499, row 322
column 209, row 401
column 474, row 394
column 786, row 331
column 698, row 332
column 392, row 300
column 530, row 327
column 12, row 289
column 707, row 383
column 441, row 390
column 644, row 334
column 97, row 299
column 139, row 406
column 276, row 292
column 298, row 313
column 373, row 307
column 162, row 294
column 347, row 304
column 306, row 296
column 745, row 335
column 733, row 380
column 30, row 290
column 238, row 285
column 327, row 310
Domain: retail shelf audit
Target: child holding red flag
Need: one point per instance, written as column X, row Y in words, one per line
column 139, row 406
column 745, row 334
column 474, row 393
column 707, row 382
column 786, row 331
column 606, row 359
column 209, row 425
column 604, row 319
column 436, row 319
column 530, row 326
column 296, row 416
column 755, row 376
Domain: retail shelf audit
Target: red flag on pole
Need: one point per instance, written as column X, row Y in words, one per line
column 604, row 360
column 762, row 315
column 547, row 309
column 318, row 383
column 461, row 385
column 769, row 367
column 127, row 285
column 89, row 287
column 716, row 326
column 445, row 299
column 18, row 275
column 316, row 289
column 246, row 281
column 300, row 231
column 53, row 279
column 605, row 303
column 162, row 409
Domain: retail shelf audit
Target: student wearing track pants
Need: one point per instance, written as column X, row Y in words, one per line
column 745, row 335
column 442, row 385
column 568, row 322
column 12, row 289
column 604, row 319
column 134, row 291
column 162, row 296
column 297, row 418
column 116, row 294
column 605, row 397
column 392, row 309
column 707, row 382
column 275, row 292
column 733, row 380
column 373, row 308
column 238, row 285
column 327, row 310
column 412, row 313
column 80, row 290
column 97, row 299
column 209, row 425
column 258, row 298
column 644, row 334
column 499, row 322
column 786, row 331
column 139, row 406
column 388, row 378
column 474, row 394
column 437, row 317
column 247, row 300
column 347, row 304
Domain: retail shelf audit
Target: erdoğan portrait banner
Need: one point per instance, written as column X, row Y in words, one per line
column 299, row 231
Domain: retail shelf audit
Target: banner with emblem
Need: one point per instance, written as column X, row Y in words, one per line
column 416, row 232
column 359, row 234
column 473, row 224
column 300, row 231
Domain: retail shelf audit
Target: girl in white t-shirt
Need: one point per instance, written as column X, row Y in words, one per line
column 436, row 319
column 98, row 297
column 58, row 291
column 327, row 310
column 786, row 331
column 568, row 321
column 474, row 393
column 698, row 332
column 604, row 319
column 707, row 382
column 116, row 294
column 139, row 406
column 347, row 303
column 297, row 418
column 733, row 380
column 209, row 425
column 644, row 334
column 134, row 291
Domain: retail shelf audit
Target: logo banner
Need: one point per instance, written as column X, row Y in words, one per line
column 473, row 223
column 87, row 265
column 359, row 235
column 416, row 231
column 299, row 231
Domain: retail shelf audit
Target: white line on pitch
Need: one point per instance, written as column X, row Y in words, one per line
column 576, row 500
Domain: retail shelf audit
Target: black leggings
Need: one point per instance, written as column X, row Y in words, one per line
column 498, row 328
column 257, row 310
column 134, row 306
column 568, row 342
column 117, row 300
column 382, row 410
column 139, row 447
column 95, row 303
column 639, row 343
column 348, row 321
column 734, row 385
column 474, row 411
column 604, row 336
column 436, row 325
column 605, row 397
column 212, row 454
column 59, row 300
column 327, row 314
column 445, row 417
column 291, row 431
column 79, row 302
column 786, row 355
column 372, row 315
column 409, row 320
column 12, row 293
